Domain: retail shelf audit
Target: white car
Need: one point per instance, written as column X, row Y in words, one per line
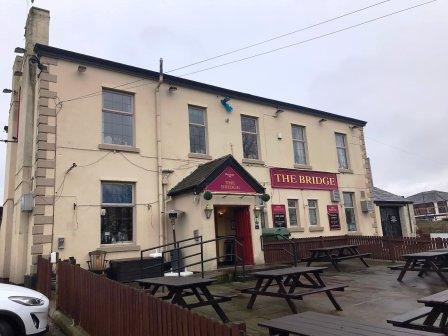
column 23, row 311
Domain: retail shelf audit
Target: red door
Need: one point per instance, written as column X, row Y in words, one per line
column 243, row 234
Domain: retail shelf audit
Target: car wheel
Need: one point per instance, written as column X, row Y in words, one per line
column 6, row 328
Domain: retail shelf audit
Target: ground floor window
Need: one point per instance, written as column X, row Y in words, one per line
column 349, row 206
column 117, row 214
column 293, row 213
column 313, row 212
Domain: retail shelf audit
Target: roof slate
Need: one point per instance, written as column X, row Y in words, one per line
column 429, row 196
column 383, row 196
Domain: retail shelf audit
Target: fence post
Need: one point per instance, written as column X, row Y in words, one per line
column 391, row 248
column 238, row 329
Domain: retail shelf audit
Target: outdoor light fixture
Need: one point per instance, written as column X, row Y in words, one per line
column 278, row 112
column 8, row 91
column 172, row 89
column 208, row 210
column 322, row 120
column 35, row 60
column 257, row 211
column 226, row 104
column 19, row 50
column 353, row 127
column 5, row 128
column 82, row 68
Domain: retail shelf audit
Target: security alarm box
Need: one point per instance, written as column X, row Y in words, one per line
column 366, row 206
column 27, row 203
column 335, row 196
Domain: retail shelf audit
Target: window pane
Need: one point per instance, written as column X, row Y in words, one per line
column 117, row 101
column 299, row 152
column 116, row 225
column 197, row 139
column 117, row 193
column 349, row 202
column 117, row 129
column 248, row 124
column 342, row 158
column 292, row 211
column 348, row 199
column 312, row 210
column 340, row 140
column 196, row 115
column 250, row 146
column 297, row 133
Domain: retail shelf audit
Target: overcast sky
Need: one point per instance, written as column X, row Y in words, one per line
column 392, row 73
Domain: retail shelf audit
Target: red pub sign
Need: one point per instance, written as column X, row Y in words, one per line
column 229, row 181
column 303, row 179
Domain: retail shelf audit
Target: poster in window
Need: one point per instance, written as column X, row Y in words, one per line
column 333, row 217
column 279, row 215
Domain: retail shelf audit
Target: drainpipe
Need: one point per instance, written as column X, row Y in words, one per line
column 159, row 156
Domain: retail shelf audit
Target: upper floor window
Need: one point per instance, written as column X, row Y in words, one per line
column 249, row 129
column 299, row 144
column 198, row 140
column 313, row 212
column 118, row 115
column 341, row 147
column 349, row 206
column 293, row 212
column 117, row 218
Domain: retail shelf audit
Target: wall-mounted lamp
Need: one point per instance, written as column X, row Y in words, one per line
column 35, row 60
column 9, row 91
column 352, row 127
column 82, row 68
column 172, row 89
column 278, row 112
column 322, row 120
column 208, row 210
column 257, row 211
column 19, row 50
column 5, row 128
column 226, row 104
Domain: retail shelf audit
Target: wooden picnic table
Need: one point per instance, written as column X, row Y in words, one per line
column 434, row 315
column 288, row 280
column 318, row 324
column 336, row 254
column 180, row 287
column 424, row 262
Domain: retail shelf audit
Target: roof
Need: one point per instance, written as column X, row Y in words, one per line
column 198, row 180
column 429, row 196
column 383, row 196
column 44, row 50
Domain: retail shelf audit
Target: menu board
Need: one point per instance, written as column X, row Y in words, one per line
column 333, row 217
column 279, row 215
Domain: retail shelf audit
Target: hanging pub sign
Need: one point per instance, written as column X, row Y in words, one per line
column 333, row 217
column 229, row 181
column 284, row 178
column 279, row 215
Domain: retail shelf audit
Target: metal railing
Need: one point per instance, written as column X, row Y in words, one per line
column 238, row 259
column 294, row 254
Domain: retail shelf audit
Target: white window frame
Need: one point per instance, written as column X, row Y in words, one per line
column 132, row 114
column 257, row 134
column 316, row 208
column 120, row 205
column 204, row 110
column 303, row 141
column 345, row 149
column 296, row 209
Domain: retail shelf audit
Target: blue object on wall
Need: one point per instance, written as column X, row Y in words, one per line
column 225, row 103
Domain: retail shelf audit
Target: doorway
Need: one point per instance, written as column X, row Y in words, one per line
column 390, row 222
column 233, row 221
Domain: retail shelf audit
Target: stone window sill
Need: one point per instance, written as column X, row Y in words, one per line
column 296, row 229
column 354, row 233
column 254, row 162
column 345, row 171
column 316, row 228
column 119, row 148
column 303, row 166
column 199, row 156
column 120, row 247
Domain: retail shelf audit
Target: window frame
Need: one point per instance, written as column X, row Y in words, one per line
column 205, row 126
column 131, row 114
column 345, row 148
column 257, row 134
column 305, row 144
column 119, row 205
column 316, row 209
column 296, row 208
column 352, row 207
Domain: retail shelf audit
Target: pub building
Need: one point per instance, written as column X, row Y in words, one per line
column 121, row 157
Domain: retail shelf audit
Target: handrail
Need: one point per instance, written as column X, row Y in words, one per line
column 294, row 252
column 201, row 243
column 177, row 242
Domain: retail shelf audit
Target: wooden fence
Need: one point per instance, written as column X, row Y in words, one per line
column 382, row 248
column 44, row 275
column 105, row 307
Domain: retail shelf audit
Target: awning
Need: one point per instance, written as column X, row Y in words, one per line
column 224, row 175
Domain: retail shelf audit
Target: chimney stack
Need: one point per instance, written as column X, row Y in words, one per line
column 37, row 28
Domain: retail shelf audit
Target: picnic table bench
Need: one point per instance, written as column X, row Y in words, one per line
column 434, row 313
column 288, row 280
column 424, row 262
column 336, row 254
column 180, row 287
column 318, row 324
